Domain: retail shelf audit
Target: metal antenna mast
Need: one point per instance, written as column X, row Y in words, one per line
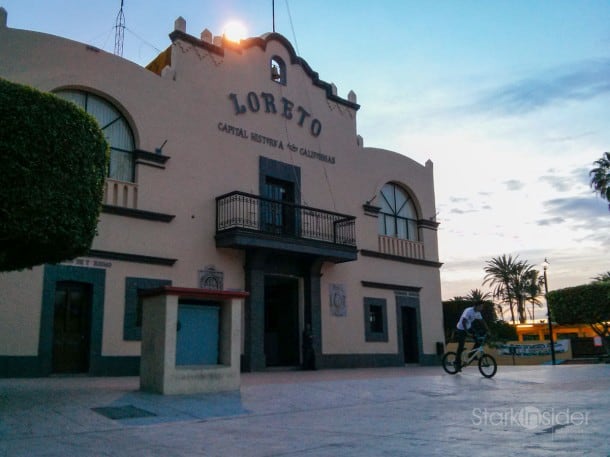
column 119, row 32
column 273, row 13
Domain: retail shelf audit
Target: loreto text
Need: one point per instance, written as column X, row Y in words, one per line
column 267, row 103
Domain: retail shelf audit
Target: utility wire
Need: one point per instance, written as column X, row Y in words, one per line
column 307, row 94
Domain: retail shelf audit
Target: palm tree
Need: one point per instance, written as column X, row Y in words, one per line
column 524, row 287
column 516, row 283
column 500, row 311
column 476, row 295
column 602, row 277
column 600, row 177
column 533, row 290
column 499, row 272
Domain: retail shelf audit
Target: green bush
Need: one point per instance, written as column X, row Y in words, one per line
column 53, row 158
column 587, row 304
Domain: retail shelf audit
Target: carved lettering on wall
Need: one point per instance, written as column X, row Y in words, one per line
column 283, row 106
column 241, row 132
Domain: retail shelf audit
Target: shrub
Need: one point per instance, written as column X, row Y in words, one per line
column 53, row 158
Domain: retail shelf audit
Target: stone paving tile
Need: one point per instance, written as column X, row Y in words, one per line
column 385, row 412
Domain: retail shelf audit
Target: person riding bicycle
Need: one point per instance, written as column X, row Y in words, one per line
column 471, row 322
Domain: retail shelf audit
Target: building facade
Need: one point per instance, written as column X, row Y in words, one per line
column 233, row 166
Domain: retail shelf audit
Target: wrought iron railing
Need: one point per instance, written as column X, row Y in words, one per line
column 240, row 210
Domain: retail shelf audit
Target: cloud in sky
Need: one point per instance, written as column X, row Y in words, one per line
column 559, row 183
column 579, row 81
column 514, row 184
column 587, row 208
column 551, row 221
column 586, row 215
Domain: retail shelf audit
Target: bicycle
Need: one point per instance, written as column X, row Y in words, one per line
column 487, row 364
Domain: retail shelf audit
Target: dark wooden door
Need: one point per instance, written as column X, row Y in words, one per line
column 410, row 338
column 72, row 327
column 281, row 321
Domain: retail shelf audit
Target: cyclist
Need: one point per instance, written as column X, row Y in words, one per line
column 467, row 324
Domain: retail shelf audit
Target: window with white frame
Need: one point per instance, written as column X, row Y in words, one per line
column 115, row 128
column 397, row 216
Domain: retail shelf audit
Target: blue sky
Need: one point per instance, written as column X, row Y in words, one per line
column 509, row 99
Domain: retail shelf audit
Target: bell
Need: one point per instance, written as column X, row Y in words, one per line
column 275, row 73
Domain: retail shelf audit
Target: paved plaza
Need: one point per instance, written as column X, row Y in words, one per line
column 408, row 411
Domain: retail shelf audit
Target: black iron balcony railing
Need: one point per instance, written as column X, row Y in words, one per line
column 243, row 211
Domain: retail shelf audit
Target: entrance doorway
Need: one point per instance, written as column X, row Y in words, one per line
column 72, row 327
column 410, row 339
column 281, row 321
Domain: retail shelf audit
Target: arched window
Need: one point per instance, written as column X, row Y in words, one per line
column 278, row 70
column 115, row 128
column 397, row 216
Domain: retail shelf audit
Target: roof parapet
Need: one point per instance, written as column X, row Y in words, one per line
column 3, row 17
column 206, row 36
column 180, row 24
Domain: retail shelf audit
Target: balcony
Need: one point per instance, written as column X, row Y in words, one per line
column 120, row 193
column 400, row 247
column 245, row 221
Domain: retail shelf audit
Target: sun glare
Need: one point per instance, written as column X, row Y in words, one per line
column 234, row 31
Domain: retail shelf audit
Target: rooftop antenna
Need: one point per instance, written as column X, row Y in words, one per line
column 273, row 13
column 119, row 32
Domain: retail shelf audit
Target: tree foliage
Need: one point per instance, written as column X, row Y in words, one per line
column 498, row 272
column 588, row 304
column 53, row 158
column 515, row 282
column 600, row 177
column 602, row 277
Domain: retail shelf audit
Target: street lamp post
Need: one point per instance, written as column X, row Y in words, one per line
column 545, row 265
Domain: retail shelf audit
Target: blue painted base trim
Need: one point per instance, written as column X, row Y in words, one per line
column 430, row 360
column 35, row 367
column 116, row 366
column 370, row 360
column 21, row 367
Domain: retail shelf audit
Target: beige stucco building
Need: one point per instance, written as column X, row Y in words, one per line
column 233, row 167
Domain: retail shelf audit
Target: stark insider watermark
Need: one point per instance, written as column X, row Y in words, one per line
column 530, row 418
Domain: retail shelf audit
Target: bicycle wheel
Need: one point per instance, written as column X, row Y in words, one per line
column 449, row 362
column 487, row 365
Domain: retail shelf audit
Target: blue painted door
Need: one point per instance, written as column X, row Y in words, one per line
column 197, row 334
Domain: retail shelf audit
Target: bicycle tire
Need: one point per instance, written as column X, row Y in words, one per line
column 449, row 362
column 487, row 365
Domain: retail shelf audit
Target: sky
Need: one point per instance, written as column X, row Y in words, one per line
column 509, row 99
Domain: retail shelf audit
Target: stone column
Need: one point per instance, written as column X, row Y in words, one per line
column 254, row 331
column 313, row 308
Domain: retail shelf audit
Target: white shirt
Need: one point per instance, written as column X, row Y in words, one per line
column 469, row 315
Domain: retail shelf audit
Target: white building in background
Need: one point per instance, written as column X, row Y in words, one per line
column 233, row 167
